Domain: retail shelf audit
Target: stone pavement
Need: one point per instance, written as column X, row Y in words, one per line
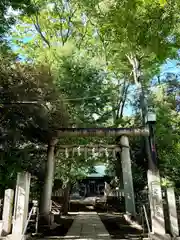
column 87, row 226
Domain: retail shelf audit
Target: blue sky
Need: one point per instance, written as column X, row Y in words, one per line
column 170, row 66
column 24, row 40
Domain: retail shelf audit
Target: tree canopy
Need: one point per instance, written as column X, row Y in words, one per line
column 86, row 64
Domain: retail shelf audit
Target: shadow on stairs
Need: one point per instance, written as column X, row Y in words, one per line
column 119, row 228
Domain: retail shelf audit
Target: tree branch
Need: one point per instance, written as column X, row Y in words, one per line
column 60, row 18
column 83, row 36
column 103, row 43
column 69, row 20
column 124, row 100
column 38, row 29
column 120, row 100
column 136, row 66
column 71, row 14
column 106, row 114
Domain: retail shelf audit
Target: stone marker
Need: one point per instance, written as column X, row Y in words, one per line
column 127, row 176
column 7, row 211
column 172, row 212
column 21, row 203
column 156, row 205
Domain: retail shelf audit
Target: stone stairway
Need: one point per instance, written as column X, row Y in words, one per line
column 91, row 226
column 88, row 225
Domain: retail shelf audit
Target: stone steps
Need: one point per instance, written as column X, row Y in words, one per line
column 84, row 238
column 88, row 225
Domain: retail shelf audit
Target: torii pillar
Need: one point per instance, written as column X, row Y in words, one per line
column 127, row 177
column 45, row 207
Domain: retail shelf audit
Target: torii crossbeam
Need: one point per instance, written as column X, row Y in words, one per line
column 124, row 133
column 102, row 132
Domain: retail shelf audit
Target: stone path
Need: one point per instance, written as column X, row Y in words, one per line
column 87, row 225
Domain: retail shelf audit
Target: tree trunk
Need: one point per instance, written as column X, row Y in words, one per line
column 48, row 181
column 155, row 196
column 143, row 105
column 66, row 195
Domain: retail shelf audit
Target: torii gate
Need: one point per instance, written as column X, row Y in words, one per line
column 124, row 133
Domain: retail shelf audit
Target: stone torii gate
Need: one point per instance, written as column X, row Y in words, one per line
column 23, row 187
column 158, row 223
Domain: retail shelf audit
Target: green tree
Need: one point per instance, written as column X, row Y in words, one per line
column 70, row 169
column 167, row 131
column 51, row 39
column 31, row 112
column 96, row 51
column 7, row 19
column 142, row 34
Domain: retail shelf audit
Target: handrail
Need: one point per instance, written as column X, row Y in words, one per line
column 27, row 222
column 142, row 219
column 37, row 220
column 33, row 209
column 147, row 221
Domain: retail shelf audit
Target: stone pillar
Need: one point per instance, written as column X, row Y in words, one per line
column 127, row 176
column 156, row 205
column 21, row 203
column 1, row 227
column 7, row 211
column 172, row 212
column 48, row 184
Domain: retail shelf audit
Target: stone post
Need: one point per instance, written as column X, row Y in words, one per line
column 127, row 176
column 156, row 205
column 48, row 184
column 7, row 211
column 21, row 203
column 154, row 182
column 1, row 227
column 172, row 212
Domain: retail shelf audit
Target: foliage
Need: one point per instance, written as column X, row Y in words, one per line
column 93, row 52
column 7, row 13
column 168, row 132
column 138, row 35
column 145, row 26
column 31, row 112
column 72, row 169
column 31, row 100
column 53, row 25
column 87, row 88
column 75, row 39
